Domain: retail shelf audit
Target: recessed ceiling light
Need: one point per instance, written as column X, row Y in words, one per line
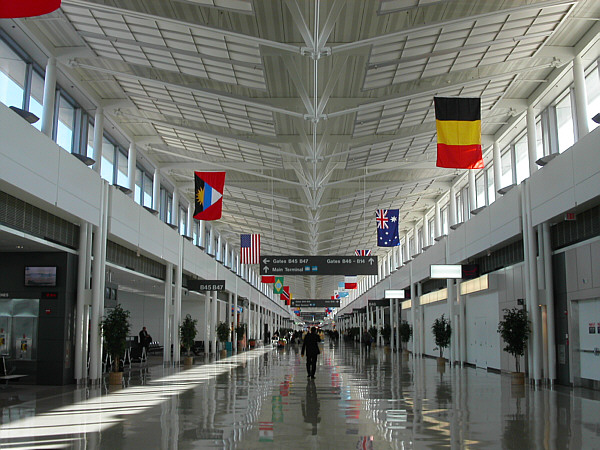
column 19, row 246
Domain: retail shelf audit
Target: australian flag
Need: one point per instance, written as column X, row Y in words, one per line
column 387, row 227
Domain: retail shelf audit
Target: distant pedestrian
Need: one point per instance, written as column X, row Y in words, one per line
column 311, row 346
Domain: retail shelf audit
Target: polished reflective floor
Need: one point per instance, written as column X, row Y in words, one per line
column 263, row 399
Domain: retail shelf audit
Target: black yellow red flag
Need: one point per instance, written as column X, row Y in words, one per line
column 458, row 123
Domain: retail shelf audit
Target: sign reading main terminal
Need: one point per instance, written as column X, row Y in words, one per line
column 318, row 265
column 315, row 303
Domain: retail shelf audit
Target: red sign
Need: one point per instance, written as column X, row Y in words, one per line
column 570, row 216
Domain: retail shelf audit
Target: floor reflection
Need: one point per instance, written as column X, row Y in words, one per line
column 262, row 399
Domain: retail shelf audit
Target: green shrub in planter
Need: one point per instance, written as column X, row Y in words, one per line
column 187, row 333
column 405, row 330
column 115, row 329
column 514, row 329
column 442, row 333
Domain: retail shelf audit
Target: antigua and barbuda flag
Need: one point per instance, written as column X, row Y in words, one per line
column 458, row 124
column 208, row 196
column 387, row 227
column 12, row 9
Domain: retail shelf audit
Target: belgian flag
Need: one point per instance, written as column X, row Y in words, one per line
column 458, row 123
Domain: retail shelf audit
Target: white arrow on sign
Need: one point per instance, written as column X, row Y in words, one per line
column 371, row 261
column 266, row 261
column 265, row 268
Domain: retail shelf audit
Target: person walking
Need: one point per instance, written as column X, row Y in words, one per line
column 311, row 347
column 145, row 340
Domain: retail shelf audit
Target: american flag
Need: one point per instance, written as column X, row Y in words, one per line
column 362, row 252
column 250, row 249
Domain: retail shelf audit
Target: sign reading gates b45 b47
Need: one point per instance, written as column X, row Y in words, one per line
column 318, row 265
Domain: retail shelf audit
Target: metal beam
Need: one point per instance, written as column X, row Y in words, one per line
column 300, row 23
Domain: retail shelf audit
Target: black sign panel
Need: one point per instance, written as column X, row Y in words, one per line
column 312, row 317
column 206, row 285
column 318, row 265
column 469, row 271
column 312, row 303
column 379, row 302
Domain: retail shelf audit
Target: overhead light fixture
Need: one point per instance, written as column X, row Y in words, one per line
column 505, row 189
column 441, row 271
column 84, row 159
column 29, row 117
column 546, row 159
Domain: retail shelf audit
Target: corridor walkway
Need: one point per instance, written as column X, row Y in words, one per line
column 262, row 399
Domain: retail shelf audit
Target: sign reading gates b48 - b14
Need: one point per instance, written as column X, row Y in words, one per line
column 318, row 265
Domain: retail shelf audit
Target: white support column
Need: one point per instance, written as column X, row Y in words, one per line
column 426, row 231
column 98, row 134
column 438, row 220
column 472, row 190
column 414, row 312
column 235, row 315
column 98, row 288
column 156, row 190
column 229, row 318
column 207, row 321
column 81, row 326
column 463, row 325
column 397, row 322
column 421, row 329
column 168, row 312
column 534, row 308
column 49, row 97
column 131, row 168
column 452, row 217
column 549, row 288
column 531, row 140
column 406, row 248
column 202, row 235
column 497, row 163
column 215, row 321
column 416, row 239
column 455, row 327
column 177, row 305
column 581, row 112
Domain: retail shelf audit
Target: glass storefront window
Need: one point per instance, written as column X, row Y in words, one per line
column 480, row 188
column 592, row 84
column 36, row 98
column 108, row 160
column 522, row 159
column 564, row 123
column 90, row 140
column 506, row 163
column 122, row 178
column 12, row 77
column 66, row 123
column 490, row 186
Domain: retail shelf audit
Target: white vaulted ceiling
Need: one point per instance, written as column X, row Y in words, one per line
column 319, row 111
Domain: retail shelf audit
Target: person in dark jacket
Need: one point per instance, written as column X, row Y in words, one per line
column 311, row 346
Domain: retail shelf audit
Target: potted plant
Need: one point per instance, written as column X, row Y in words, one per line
column 115, row 329
column 441, row 331
column 386, row 333
column 240, row 332
column 223, row 333
column 405, row 330
column 514, row 329
column 187, row 334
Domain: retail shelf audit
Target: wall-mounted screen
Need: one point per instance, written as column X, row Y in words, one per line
column 40, row 276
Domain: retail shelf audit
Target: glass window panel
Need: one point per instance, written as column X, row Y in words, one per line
column 480, row 188
column 490, row 185
column 12, row 77
column 592, row 84
column 539, row 140
column 182, row 221
column 36, row 98
column 431, row 231
column 66, row 123
column 459, row 207
column 138, row 186
column 90, row 140
column 122, row 178
column 506, row 163
column 419, row 239
column 169, row 207
column 445, row 214
column 147, row 191
column 466, row 204
column 564, row 122
column 522, row 159
column 108, row 160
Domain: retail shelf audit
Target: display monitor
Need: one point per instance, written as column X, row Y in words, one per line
column 40, row 276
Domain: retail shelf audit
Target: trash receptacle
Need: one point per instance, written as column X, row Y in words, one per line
column 228, row 346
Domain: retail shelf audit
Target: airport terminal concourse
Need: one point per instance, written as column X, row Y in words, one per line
column 299, row 224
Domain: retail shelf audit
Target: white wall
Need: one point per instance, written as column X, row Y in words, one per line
column 589, row 319
column 432, row 311
column 144, row 311
column 483, row 340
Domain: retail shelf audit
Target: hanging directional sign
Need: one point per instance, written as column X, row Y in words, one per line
column 315, row 303
column 318, row 265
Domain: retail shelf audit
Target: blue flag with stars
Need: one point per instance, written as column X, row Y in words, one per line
column 387, row 227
